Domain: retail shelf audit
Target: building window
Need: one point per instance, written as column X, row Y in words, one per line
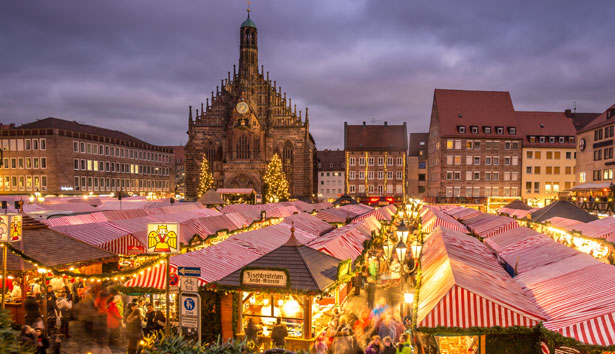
column 515, row 176
column 507, row 176
column 457, row 160
column 449, row 160
column 361, row 175
column 380, row 161
column 488, row 160
column 352, row 188
column 352, row 175
column 461, row 129
column 242, row 148
column 468, row 191
column 449, row 192
column 469, row 144
column 352, row 161
column 370, row 175
column 476, row 144
column 549, row 155
column 457, row 175
column 370, row 161
column 515, row 160
column 474, row 129
column 390, row 175
column 507, row 145
column 457, row 144
column 371, row 188
column 496, row 161
column 528, row 170
column 361, row 161
column 468, row 175
column 476, row 160
column 450, row 144
column 512, row 130
column 390, row 161
column 528, row 187
column 20, row 162
column 495, row 176
column 469, row 160
column 536, row 187
column 476, row 176
column 487, row 176
column 562, row 140
column 529, row 154
column 507, row 161
column 380, row 189
column 457, row 192
column 542, row 139
column 380, row 174
column 487, row 130
column 400, row 161
column 499, row 130
column 421, row 165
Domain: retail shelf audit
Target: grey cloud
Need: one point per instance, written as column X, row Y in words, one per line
column 137, row 65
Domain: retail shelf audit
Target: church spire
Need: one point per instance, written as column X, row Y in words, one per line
column 248, row 48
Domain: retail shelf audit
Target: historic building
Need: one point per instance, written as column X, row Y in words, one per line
column 417, row 165
column 248, row 120
column 56, row 156
column 595, row 159
column 474, row 149
column 331, row 167
column 549, row 155
column 376, row 161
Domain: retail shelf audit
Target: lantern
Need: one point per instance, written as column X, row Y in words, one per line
column 388, row 249
column 401, row 250
column 416, row 249
column 402, row 232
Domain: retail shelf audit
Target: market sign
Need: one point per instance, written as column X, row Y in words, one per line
column 264, row 277
column 163, row 238
column 343, row 269
column 10, row 227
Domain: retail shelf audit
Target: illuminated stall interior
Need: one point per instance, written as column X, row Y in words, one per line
column 293, row 282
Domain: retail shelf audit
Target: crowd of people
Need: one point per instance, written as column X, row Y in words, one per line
column 378, row 331
column 101, row 311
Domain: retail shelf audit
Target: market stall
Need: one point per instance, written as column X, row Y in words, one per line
column 464, row 293
column 294, row 282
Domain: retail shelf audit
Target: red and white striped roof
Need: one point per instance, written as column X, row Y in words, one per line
column 347, row 241
column 463, row 285
column 434, row 218
column 487, row 225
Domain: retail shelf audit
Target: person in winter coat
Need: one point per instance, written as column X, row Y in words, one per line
column 32, row 312
column 27, row 336
column 343, row 343
column 114, row 319
column 375, row 346
column 404, row 346
column 388, row 347
column 252, row 330
column 320, row 344
column 42, row 342
column 279, row 334
column 154, row 320
column 134, row 329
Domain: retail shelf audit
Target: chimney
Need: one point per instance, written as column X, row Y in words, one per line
column 364, row 123
column 568, row 113
column 386, row 123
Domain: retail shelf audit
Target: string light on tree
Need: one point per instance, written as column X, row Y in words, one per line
column 276, row 185
column 206, row 181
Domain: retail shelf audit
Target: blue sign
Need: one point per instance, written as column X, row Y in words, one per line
column 173, row 280
column 189, row 304
column 189, row 271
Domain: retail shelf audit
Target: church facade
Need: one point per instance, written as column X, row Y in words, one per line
column 247, row 120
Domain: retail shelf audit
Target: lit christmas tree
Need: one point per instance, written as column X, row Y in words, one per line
column 207, row 179
column 275, row 183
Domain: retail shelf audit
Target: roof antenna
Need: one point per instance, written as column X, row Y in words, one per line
column 574, row 107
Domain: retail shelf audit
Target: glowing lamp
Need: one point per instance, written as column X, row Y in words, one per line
column 388, row 249
column 408, row 298
column 401, row 250
column 416, row 248
column 402, row 232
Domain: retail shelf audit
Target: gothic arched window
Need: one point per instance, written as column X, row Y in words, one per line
column 242, row 148
column 287, row 158
column 211, row 155
column 256, row 150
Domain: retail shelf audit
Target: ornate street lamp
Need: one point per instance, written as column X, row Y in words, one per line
column 402, row 232
column 416, row 248
column 401, row 250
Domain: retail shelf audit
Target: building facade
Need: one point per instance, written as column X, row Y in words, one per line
column 417, row 165
column 55, row 156
column 179, row 156
column 595, row 143
column 376, row 160
column 474, row 148
column 331, row 174
column 247, row 121
column 549, row 155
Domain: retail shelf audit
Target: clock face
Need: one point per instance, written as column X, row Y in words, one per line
column 582, row 145
column 242, row 107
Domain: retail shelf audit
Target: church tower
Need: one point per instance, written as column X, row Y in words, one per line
column 246, row 121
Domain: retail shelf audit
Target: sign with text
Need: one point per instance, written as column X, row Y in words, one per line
column 10, row 227
column 189, row 271
column 264, row 277
column 163, row 237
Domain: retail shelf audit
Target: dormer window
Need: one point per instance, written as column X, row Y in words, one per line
column 610, row 113
column 552, row 139
column 461, row 129
column 487, row 130
column 499, row 130
column 562, row 140
column 542, row 139
column 571, row 139
column 474, row 130
column 532, row 139
column 512, row 130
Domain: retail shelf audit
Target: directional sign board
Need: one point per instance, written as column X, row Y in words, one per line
column 189, row 284
column 189, row 305
column 189, row 271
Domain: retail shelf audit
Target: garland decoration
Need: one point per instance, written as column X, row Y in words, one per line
column 120, row 275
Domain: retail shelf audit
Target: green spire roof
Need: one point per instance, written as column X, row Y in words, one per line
column 248, row 22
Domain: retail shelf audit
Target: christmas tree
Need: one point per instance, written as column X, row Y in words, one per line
column 206, row 181
column 275, row 183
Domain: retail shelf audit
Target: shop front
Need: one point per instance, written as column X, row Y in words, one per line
column 294, row 284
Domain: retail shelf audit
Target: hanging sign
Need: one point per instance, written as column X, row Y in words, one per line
column 264, row 277
column 163, row 238
column 10, row 227
column 189, row 284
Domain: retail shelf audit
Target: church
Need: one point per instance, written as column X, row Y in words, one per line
column 246, row 122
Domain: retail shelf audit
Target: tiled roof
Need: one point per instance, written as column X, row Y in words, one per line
column 475, row 108
column 599, row 121
column 328, row 157
column 308, row 269
column 56, row 123
column 546, row 124
column 562, row 209
column 376, row 137
column 53, row 249
column 581, row 120
column 415, row 143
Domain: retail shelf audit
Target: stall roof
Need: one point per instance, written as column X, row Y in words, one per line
column 487, row 225
column 308, row 269
column 518, row 205
column 347, row 241
column 463, row 285
column 53, row 249
column 211, row 197
column 309, row 223
column 563, row 209
column 601, row 228
column 345, row 199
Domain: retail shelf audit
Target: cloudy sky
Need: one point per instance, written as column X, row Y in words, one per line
column 136, row 65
